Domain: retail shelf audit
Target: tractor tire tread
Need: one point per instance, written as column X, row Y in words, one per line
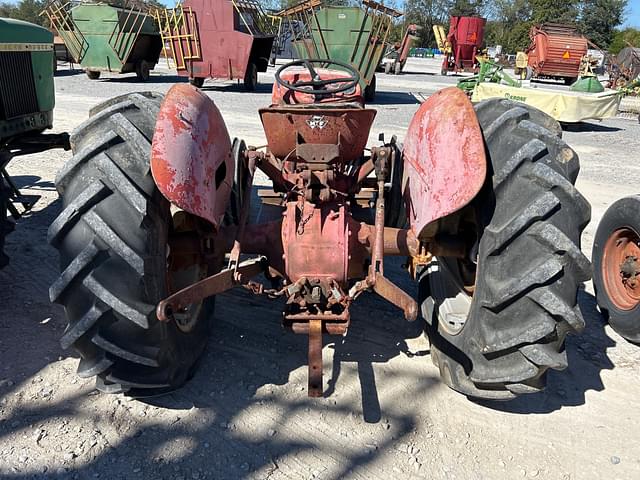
column 495, row 356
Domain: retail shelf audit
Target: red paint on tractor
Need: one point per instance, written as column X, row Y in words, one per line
column 315, row 242
column 284, row 96
column 444, row 157
column 191, row 158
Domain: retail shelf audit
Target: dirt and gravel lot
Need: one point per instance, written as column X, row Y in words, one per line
column 246, row 414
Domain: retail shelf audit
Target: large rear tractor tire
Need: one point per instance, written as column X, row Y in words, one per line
column 616, row 267
column 112, row 236
column 497, row 320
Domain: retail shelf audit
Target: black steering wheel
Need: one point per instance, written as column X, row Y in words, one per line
column 317, row 86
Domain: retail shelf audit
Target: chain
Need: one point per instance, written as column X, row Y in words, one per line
column 303, row 222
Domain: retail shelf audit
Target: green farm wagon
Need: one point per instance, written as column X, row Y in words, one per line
column 102, row 37
column 353, row 35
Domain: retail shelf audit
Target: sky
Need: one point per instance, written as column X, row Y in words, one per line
column 632, row 20
column 633, row 14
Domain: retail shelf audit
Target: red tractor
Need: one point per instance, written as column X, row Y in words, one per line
column 480, row 200
column 616, row 267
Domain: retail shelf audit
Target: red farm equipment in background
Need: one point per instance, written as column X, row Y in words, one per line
column 220, row 39
column 461, row 44
column 396, row 56
column 479, row 200
column 555, row 52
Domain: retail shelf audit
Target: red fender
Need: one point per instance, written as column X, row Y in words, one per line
column 191, row 159
column 445, row 164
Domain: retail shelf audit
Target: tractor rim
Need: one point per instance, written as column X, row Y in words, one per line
column 453, row 286
column 621, row 268
column 184, row 268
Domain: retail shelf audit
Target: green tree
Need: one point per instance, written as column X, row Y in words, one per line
column 6, row 10
column 466, row 8
column 624, row 38
column 599, row 19
column 426, row 14
column 27, row 10
column 557, row 11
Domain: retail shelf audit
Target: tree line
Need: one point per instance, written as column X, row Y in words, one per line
column 509, row 21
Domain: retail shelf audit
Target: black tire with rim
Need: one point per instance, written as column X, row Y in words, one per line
column 112, row 236
column 197, row 81
column 616, row 251
column 143, row 70
column 93, row 74
column 497, row 320
column 251, row 77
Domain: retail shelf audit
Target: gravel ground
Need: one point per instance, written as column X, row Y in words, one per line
column 246, row 414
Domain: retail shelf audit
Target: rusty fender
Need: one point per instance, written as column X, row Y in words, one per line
column 444, row 157
column 191, row 159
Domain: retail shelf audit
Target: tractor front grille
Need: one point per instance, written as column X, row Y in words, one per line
column 17, row 86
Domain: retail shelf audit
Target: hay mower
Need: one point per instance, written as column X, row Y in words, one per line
column 480, row 200
column 616, row 267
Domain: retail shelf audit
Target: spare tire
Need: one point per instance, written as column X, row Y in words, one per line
column 112, row 236
column 497, row 320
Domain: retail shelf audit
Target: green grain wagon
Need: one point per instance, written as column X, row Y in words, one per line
column 354, row 35
column 107, row 38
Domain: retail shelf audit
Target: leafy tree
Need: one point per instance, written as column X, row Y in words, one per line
column 29, row 11
column 466, row 8
column 624, row 38
column 599, row 19
column 557, row 11
column 426, row 14
column 7, row 10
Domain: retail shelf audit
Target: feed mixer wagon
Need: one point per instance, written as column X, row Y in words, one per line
column 105, row 37
column 356, row 36
column 220, row 39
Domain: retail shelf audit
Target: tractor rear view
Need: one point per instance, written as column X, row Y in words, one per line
column 480, row 200
column 27, row 99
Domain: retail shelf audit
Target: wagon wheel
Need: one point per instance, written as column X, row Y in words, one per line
column 251, row 77
column 114, row 236
column 616, row 267
column 143, row 70
column 497, row 319
column 93, row 74
column 197, row 81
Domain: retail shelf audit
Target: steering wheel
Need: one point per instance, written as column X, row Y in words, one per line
column 316, row 85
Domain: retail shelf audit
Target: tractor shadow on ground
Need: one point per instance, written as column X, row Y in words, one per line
column 588, row 127
column 587, row 357
column 394, row 98
column 131, row 78
column 33, row 182
column 261, row 87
